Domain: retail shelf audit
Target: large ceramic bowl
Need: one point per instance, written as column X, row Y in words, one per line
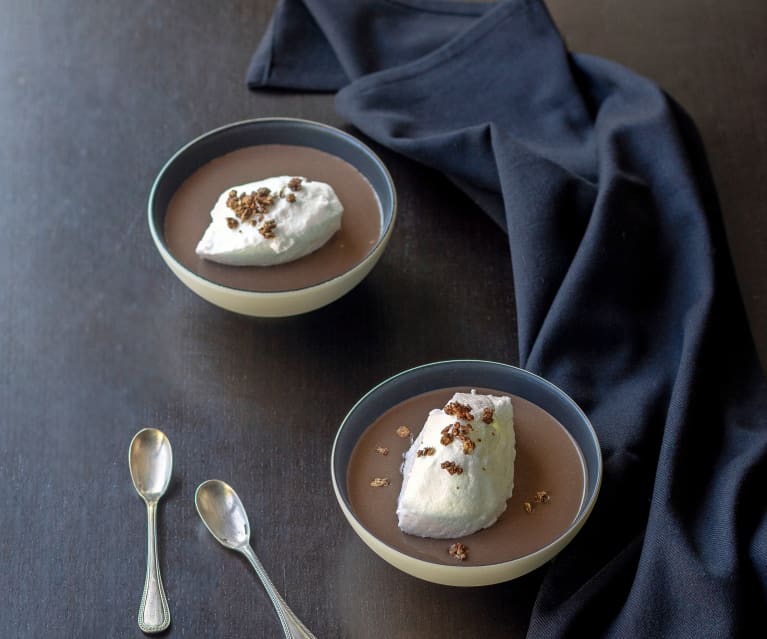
column 468, row 374
column 271, row 131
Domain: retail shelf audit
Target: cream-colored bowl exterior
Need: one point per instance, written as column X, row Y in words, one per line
column 278, row 303
column 462, row 575
column 281, row 303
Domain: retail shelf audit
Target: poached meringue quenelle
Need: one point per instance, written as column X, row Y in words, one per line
column 271, row 221
column 459, row 471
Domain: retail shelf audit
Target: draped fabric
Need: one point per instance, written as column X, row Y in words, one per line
column 624, row 289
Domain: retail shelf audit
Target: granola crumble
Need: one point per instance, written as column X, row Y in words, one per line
column 425, row 452
column 451, row 467
column 540, row 497
column 379, row 482
column 403, row 432
column 249, row 206
column 459, row 551
column 459, row 431
column 382, row 450
column 461, row 411
column 487, row 415
column 267, row 229
column 254, row 206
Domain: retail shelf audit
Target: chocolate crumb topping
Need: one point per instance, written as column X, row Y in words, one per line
column 461, row 411
column 487, row 415
column 459, row 431
column 380, row 482
column 451, row 467
column 295, row 184
column 250, row 206
column 267, row 229
column 382, row 450
column 232, row 222
column 540, row 497
column 403, row 432
column 459, row 551
column 425, row 452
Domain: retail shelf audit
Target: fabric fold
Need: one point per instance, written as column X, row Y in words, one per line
column 322, row 46
column 624, row 290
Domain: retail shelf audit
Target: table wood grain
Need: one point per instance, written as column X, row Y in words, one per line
column 98, row 339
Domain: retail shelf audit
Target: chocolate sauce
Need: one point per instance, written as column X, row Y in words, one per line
column 188, row 216
column 548, row 459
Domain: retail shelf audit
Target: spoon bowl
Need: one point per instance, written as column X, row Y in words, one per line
column 223, row 514
column 151, row 462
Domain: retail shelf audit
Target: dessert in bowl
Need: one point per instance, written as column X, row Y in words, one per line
column 307, row 254
column 557, row 469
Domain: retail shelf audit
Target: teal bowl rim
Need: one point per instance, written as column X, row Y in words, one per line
column 388, row 216
column 590, row 458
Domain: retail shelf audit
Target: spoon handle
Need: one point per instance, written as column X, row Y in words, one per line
column 153, row 614
column 291, row 626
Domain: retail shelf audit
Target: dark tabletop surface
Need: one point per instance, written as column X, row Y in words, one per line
column 98, row 338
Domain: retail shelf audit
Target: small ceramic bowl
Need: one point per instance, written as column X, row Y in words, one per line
column 271, row 131
column 467, row 374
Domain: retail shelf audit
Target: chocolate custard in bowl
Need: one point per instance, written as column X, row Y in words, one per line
column 549, row 483
column 188, row 215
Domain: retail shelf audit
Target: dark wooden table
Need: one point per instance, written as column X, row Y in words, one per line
column 98, row 339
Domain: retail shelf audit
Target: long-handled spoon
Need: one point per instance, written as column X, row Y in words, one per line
column 223, row 514
column 151, row 462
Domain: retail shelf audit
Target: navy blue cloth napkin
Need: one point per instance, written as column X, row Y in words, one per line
column 624, row 289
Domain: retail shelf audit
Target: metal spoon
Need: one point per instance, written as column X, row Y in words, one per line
column 151, row 462
column 224, row 516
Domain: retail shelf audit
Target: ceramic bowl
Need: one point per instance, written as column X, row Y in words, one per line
column 286, row 131
column 470, row 374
